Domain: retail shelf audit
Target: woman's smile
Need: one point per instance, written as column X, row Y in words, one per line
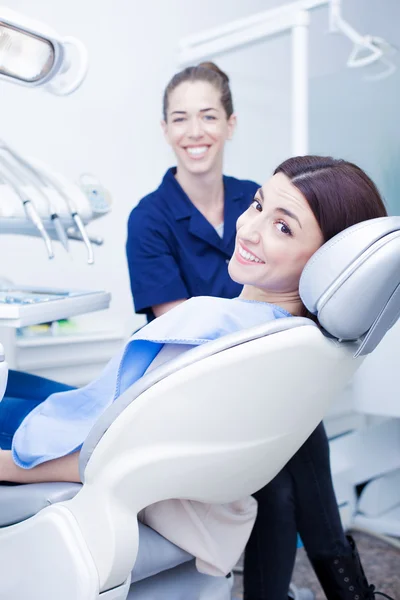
column 244, row 256
column 197, row 152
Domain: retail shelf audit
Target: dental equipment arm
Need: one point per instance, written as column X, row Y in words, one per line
column 57, row 182
column 59, row 203
column 376, row 47
column 29, row 207
column 34, row 178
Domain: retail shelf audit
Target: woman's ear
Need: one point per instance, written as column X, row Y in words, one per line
column 232, row 122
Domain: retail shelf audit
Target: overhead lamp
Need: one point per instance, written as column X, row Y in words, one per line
column 33, row 55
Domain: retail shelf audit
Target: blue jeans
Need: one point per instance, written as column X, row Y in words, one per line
column 23, row 393
column 300, row 499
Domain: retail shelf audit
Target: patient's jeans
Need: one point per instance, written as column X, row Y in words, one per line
column 299, row 499
column 23, row 393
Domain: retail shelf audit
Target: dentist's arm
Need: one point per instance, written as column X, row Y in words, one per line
column 160, row 309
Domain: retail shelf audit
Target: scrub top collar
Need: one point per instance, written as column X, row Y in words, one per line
column 182, row 208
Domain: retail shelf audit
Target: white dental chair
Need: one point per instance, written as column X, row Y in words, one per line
column 213, row 425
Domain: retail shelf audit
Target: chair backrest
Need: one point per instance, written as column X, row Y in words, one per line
column 219, row 428
column 353, row 282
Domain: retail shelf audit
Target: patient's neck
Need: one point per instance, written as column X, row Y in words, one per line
column 289, row 301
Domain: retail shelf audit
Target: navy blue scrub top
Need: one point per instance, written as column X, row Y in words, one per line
column 173, row 252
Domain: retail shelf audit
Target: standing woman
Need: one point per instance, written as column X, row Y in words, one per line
column 180, row 240
column 181, row 236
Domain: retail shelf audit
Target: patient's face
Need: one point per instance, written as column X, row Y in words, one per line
column 275, row 238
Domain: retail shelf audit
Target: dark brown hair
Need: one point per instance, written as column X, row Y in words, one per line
column 339, row 193
column 205, row 71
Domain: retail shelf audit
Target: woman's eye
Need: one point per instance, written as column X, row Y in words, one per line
column 256, row 204
column 284, row 228
column 178, row 120
column 209, row 117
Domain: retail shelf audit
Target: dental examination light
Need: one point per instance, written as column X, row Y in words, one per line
column 33, row 55
column 367, row 49
column 25, row 171
column 9, row 177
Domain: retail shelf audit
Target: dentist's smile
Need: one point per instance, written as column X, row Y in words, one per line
column 197, row 152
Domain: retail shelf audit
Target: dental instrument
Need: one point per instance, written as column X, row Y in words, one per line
column 34, row 178
column 28, row 205
column 73, row 234
column 57, row 200
column 58, row 183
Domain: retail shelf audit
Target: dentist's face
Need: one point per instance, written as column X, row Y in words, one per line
column 197, row 126
column 275, row 238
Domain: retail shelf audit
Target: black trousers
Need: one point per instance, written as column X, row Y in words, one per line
column 300, row 499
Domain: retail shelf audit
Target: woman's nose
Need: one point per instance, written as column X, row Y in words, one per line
column 195, row 129
column 251, row 234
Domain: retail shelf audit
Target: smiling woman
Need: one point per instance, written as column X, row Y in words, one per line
column 198, row 120
column 275, row 238
column 181, row 236
column 307, row 201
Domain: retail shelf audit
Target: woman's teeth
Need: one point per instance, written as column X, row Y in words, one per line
column 248, row 256
column 197, row 151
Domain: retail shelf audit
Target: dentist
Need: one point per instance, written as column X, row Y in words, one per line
column 181, row 236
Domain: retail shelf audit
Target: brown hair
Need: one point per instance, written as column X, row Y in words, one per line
column 339, row 193
column 205, row 71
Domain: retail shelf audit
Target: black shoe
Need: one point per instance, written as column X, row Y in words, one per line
column 343, row 577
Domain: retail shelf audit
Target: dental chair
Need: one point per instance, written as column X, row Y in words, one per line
column 213, row 425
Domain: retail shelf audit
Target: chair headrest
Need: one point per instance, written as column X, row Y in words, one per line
column 352, row 283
